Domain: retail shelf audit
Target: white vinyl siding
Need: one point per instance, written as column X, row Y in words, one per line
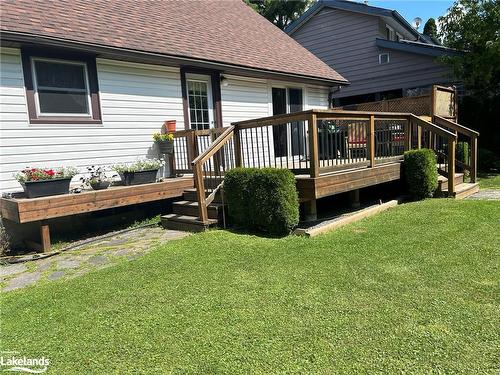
column 135, row 100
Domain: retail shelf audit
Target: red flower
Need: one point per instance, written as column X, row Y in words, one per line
column 49, row 172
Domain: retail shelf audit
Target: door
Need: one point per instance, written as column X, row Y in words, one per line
column 280, row 138
column 289, row 139
column 201, row 108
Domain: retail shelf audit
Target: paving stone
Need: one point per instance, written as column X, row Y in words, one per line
column 486, row 194
column 86, row 258
column 68, row 263
column 123, row 252
column 55, row 275
column 98, row 260
column 12, row 269
column 116, row 242
column 22, row 280
column 44, row 264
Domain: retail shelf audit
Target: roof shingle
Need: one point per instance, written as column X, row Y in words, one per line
column 227, row 31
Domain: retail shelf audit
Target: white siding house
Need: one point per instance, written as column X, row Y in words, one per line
column 135, row 100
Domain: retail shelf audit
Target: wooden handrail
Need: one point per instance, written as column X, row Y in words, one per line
column 432, row 127
column 472, row 134
column 439, row 120
column 198, row 176
column 215, row 146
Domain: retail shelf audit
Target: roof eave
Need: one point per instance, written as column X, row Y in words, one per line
column 424, row 49
column 13, row 36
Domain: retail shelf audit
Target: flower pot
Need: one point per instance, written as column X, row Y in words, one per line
column 170, row 126
column 45, row 188
column 137, row 178
column 166, row 147
column 100, row 185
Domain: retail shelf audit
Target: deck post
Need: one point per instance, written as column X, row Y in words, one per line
column 419, row 137
column 310, row 210
column 451, row 166
column 408, row 134
column 371, row 141
column 313, row 145
column 238, row 157
column 200, row 192
column 473, row 159
column 45, row 236
column 354, row 198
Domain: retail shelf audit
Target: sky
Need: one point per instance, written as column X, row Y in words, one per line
column 410, row 9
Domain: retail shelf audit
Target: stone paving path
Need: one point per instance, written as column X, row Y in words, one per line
column 78, row 261
column 486, row 194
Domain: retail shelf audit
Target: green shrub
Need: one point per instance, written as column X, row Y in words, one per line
column 462, row 154
column 262, row 199
column 421, row 173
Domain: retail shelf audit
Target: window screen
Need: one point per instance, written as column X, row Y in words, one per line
column 61, row 87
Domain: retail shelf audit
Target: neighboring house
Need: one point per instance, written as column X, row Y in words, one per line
column 89, row 82
column 376, row 49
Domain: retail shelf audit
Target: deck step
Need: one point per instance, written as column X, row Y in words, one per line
column 463, row 190
column 190, row 195
column 190, row 208
column 186, row 223
column 443, row 181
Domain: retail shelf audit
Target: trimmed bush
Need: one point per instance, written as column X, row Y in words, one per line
column 421, row 173
column 463, row 152
column 262, row 199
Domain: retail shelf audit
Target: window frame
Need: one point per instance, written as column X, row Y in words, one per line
column 380, row 58
column 391, row 35
column 93, row 117
column 36, row 87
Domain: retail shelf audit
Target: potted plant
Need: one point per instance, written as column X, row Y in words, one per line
column 97, row 178
column 165, row 142
column 42, row 182
column 142, row 171
column 170, row 126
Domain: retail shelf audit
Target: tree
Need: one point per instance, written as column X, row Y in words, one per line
column 430, row 28
column 280, row 12
column 472, row 26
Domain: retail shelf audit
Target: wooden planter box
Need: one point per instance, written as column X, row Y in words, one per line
column 45, row 188
column 137, row 178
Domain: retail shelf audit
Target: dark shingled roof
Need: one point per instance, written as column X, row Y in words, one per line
column 226, row 31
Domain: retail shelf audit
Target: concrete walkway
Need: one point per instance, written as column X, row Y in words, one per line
column 486, row 194
column 78, row 261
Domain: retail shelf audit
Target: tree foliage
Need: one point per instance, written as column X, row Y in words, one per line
column 473, row 26
column 280, row 12
column 430, row 28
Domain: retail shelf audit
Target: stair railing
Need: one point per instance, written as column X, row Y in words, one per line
column 470, row 136
column 438, row 139
column 209, row 168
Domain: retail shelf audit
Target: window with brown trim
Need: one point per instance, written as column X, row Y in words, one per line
column 61, row 88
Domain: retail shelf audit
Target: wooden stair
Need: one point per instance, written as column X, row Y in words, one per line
column 185, row 213
column 462, row 189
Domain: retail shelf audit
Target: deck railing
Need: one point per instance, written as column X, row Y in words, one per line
column 315, row 142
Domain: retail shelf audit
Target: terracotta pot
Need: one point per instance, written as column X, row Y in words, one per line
column 170, row 126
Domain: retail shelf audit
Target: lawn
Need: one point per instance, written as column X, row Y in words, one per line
column 411, row 290
column 489, row 181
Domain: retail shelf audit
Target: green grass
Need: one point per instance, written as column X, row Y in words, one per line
column 411, row 290
column 489, row 181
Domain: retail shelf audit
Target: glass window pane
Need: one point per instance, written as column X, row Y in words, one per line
column 56, row 74
column 63, row 102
